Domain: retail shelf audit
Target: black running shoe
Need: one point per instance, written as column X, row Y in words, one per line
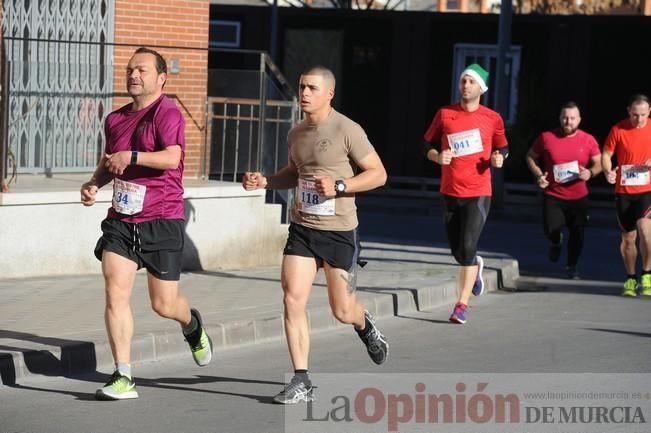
column 555, row 250
column 376, row 344
column 572, row 272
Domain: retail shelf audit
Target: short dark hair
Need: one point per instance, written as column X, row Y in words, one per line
column 638, row 99
column 161, row 64
column 324, row 72
column 569, row 104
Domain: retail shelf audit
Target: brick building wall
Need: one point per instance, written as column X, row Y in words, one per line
column 178, row 23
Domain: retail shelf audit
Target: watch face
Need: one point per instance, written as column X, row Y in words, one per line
column 340, row 186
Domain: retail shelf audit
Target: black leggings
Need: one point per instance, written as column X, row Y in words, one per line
column 559, row 213
column 464, row 220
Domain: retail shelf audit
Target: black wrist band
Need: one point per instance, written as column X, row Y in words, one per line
column 134, row 157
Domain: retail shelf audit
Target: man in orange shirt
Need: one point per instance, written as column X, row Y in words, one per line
column 630, row 142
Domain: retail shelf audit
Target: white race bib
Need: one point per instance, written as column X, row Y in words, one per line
column 635, row 175
column 309, row 201
column 128, row 197
column 466, row 142
column 566, row 172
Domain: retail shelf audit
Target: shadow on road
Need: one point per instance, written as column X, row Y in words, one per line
column 617, row 331
column 169, row 383
column 74, row 356
column 543, row 283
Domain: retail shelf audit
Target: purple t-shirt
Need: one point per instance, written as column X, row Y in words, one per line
column 151, row 129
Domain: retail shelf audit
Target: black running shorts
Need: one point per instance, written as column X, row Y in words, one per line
column 339, row 249
column 155, row 245
column 632, row 207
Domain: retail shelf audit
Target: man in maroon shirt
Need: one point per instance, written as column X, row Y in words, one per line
column 145, row 142
column 563, row 160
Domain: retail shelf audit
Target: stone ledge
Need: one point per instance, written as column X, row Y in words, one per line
column 57, row 193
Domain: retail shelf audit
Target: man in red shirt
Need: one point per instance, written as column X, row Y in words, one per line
column 466, row 139
column 563, row 160
column 630, row 142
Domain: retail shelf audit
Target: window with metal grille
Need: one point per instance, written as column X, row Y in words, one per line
column 60, row 82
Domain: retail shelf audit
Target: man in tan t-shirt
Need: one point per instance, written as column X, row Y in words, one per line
column 325, row 151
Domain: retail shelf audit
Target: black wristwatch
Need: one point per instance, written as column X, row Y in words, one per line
column 134, row 157
column 340, row 187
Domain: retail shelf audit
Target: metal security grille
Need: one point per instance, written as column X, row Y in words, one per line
column 486, row 56
column 60, row 82
column 250, row 111
column 234, row 125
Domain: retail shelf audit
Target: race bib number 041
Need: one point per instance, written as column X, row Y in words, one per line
column 466, row 142
column 309, row 201
column 128, row 197
column 635, row 175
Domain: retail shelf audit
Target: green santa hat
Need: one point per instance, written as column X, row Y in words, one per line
column 479, row 74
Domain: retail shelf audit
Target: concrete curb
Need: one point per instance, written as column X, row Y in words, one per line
column 74, row 359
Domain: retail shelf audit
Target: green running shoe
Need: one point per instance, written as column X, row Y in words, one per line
column 199, row 341
column 630, row 287
column 645, row 282
column 118, row 387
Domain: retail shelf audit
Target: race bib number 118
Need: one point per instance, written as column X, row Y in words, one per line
column 309, row 200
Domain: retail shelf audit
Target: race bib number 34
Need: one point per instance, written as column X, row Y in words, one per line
column 466, row 142
column 309, row 200
column 635, row 175
column 128, row 197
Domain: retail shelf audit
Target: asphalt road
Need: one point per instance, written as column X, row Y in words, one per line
column 571, row 327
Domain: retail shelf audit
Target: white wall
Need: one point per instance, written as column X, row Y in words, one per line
column 51, row 233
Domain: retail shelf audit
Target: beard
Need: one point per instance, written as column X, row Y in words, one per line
column 568, row 130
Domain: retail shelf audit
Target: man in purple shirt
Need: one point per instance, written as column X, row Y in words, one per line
column 145, row 143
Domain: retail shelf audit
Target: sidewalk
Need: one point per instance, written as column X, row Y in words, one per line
column 55, row 327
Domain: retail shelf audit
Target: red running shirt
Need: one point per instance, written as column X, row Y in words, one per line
column 472, row 136
column 561, row 154
column 632, row 148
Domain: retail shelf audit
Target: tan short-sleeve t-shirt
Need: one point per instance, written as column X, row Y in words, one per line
column 332, row 148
